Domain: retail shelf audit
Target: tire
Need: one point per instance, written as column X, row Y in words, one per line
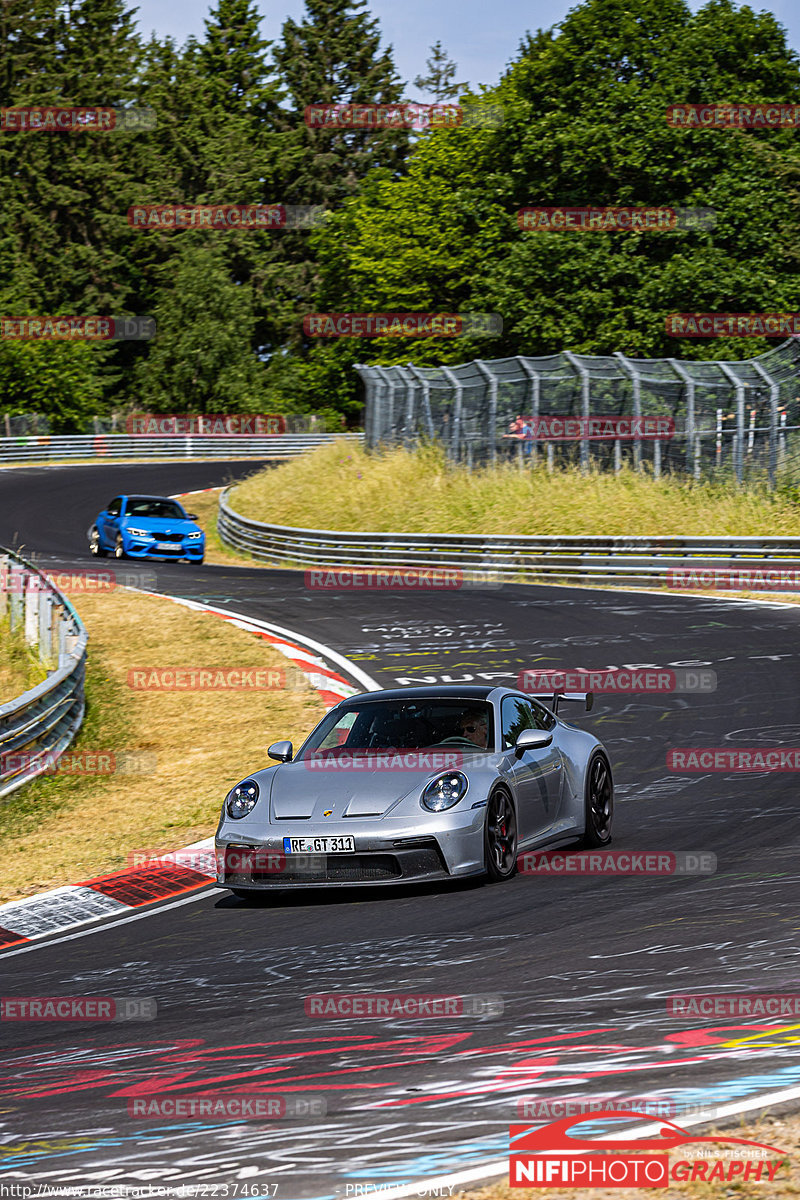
column 119, row 547
column 95, row 546
column 598, row 801
column 500, row 841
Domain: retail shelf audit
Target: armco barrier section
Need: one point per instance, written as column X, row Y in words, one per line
column 38, row 726
column 125, row 445
column 623, row 560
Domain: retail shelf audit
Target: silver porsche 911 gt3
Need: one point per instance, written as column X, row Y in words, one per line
column 416, row 784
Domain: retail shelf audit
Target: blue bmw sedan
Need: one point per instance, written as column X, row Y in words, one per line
column 147, row 527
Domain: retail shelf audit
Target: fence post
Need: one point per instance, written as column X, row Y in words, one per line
column 636, row 389
column 492, row 415
column 738, row 454
column 697, row 454
column 386, row 429
column 688, row 384
column 455, row 432
column 774, row 398
column 536, row 391
column 585, row 384
column 426, row 398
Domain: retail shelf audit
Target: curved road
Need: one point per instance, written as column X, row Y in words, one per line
column 583, row 965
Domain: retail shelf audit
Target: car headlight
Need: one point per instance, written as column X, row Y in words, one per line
column 445, row 791
column 242, row 799
column 138, row 532
column 194, row 535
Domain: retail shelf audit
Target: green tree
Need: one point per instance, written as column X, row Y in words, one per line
column 201, row 359
column 441, row 73
column 585, row 124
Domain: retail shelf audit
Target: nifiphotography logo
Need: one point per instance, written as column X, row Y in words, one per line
column 550, row 1156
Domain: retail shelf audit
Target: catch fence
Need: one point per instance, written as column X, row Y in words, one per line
column 736, row 418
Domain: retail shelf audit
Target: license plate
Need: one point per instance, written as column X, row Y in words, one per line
column 320, row 845
column 167, row 545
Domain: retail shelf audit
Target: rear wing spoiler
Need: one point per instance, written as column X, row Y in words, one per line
column 554, row 698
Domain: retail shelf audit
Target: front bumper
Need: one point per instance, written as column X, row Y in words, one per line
column 138, row 548
column 451, row 848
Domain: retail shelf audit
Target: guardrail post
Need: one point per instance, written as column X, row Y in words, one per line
column 32, row 595
column 738, row 443
column 585, row 399
column 4, row 584
column 774, row 400
column 45, row 639
column 15, row 597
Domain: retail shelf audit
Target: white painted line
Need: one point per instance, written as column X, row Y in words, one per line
column 134, row 916
column 367, row 682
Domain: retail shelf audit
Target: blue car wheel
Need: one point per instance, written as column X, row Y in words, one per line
column 96, row 547
column 119, row 547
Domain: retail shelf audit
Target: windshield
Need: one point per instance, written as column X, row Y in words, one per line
column 144, row 506
column 403, row 725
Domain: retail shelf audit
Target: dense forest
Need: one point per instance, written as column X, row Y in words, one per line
column 412, row 221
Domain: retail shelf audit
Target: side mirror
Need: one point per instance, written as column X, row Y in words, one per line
column 532, row 739
column 280, row 751
column 191, row 516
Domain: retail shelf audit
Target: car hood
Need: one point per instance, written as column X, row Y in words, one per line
column 301, row 790
column 161, row 524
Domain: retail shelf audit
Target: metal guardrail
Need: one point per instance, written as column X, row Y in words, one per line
column 125, row 445
column 640, row 560
column 36, row 727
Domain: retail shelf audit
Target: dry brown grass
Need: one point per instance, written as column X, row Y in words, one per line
column 783, row 1132
column 340, row 486
column 62, row 830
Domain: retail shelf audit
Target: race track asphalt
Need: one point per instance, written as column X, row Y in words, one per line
column 583, row 964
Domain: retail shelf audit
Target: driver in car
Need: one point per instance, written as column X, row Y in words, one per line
column 474, row 728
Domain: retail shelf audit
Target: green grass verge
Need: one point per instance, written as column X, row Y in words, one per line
column 20, row 668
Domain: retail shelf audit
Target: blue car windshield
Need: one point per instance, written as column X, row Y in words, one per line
column 160, row 509
column 383, row 725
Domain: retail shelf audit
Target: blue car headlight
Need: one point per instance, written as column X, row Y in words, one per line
column 138, row 532
column 242, row 800
column 190, row 536
column 445, row 791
